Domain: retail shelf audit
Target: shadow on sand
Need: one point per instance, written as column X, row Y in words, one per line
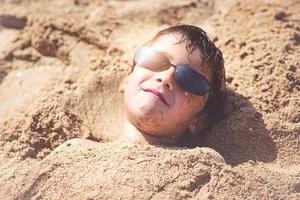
column 241, row 136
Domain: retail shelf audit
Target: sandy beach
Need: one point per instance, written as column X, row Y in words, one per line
column 61, row 64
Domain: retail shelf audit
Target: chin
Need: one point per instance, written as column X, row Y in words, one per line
column 152, row 127
column 146, row 110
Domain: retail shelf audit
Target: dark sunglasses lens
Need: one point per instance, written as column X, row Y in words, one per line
column 151, row 59
column 191, row 81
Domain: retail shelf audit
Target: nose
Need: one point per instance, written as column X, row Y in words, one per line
column 166, row 78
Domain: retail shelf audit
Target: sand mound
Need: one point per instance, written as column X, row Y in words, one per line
column 61, row 63
column 117, row 170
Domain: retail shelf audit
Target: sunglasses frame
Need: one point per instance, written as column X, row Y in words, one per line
column 186, row 77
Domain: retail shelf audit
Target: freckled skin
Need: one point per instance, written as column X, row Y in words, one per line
column 147, row 113
column 143, row 109
column 195, row 104
column 152, row 118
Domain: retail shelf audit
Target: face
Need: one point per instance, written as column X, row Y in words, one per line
column 154, row 102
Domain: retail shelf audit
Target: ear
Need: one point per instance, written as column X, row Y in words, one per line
column 197, row 124
column 123, row 84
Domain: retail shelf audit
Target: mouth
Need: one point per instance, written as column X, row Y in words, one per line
column 157, row 94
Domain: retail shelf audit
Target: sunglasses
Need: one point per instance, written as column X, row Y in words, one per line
column 187, row 78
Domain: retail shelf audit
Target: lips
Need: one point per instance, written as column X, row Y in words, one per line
column 158, row 94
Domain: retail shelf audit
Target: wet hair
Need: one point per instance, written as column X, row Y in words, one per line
column 194, row 37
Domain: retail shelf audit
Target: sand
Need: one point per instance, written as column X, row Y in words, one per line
column 61, row 64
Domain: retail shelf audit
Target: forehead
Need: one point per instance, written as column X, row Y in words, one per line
column 178, row 54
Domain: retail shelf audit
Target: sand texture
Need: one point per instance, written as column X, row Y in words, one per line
column 61, row 64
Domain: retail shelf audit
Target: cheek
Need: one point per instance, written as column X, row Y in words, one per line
column 133, row 82
column 182, row 113
column 188, row 106
column 196, row 103
column 137, row 77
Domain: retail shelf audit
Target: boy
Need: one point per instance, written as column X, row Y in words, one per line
column 177, row 86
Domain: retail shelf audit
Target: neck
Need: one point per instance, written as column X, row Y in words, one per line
column 133, row 134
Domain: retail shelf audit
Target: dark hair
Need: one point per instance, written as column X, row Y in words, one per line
column 195, row 37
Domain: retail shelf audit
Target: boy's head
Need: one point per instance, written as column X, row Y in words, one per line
column 177, row 84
